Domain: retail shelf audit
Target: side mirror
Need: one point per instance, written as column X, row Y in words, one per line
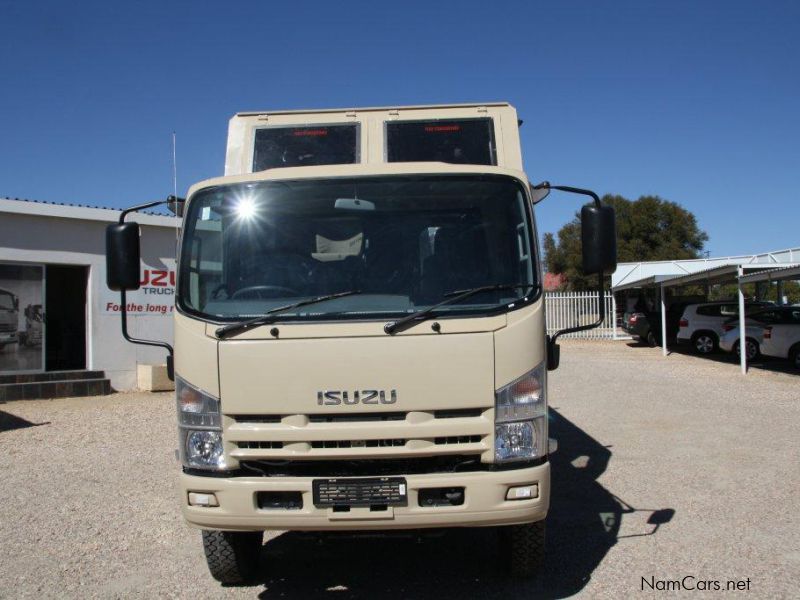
column 539, row 192
column 122, row 256
column 599, row 239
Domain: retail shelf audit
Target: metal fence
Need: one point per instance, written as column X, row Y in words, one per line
column 569, row 309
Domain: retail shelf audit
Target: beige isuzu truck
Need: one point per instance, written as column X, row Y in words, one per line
column 360, row 336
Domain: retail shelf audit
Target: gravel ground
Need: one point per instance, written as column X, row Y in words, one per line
column 666, row 468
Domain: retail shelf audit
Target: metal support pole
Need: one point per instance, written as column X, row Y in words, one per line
column 613, row 316
column 663, row 322
column 742, row 330
column 780, row 292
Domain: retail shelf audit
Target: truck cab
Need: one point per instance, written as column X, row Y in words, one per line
column 360, row 334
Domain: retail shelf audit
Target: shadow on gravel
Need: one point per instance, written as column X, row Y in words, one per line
column 583, row 525
column 762, row 363
column 9, row 422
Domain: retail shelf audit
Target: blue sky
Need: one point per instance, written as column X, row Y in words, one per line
column 698, row 102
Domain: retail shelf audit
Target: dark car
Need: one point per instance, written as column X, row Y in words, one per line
column 646, row 325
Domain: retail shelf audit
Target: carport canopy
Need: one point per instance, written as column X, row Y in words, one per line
column 779, row 274
column 739, row 272
column 652, row 281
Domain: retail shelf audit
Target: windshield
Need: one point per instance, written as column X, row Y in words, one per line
column 401, row 243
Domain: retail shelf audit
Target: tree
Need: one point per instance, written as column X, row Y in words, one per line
column 649, row 228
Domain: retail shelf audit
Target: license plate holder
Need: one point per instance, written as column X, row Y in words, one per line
column 368, row 491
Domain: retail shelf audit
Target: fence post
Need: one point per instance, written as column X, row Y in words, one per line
column 613, row 316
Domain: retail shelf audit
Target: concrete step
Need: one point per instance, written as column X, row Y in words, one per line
column 50, row 376
column 69, row 388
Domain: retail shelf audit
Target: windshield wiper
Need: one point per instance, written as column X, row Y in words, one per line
column 272, row 315
column 451, row 298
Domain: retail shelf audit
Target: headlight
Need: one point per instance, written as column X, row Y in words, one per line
column 204, row 449
column 200, row 427
column 521, row 418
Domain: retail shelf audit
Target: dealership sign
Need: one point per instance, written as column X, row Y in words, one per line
column 155, row 296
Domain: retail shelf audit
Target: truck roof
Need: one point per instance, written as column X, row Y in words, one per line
column 357, row 170
column 369, row 108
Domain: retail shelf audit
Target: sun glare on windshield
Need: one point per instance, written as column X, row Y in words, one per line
column 245, row 208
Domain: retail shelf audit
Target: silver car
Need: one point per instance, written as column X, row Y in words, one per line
column 755, row 324
column 701, row 324
column 782, row 339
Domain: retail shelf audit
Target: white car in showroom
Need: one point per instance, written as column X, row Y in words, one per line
column 755, row 323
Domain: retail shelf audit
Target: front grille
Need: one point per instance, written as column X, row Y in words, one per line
column 343, row 435
column 361, row 417
column 457, row 439
column 358, row 443
column 458, row 413
column 256, row 418
column 260, row 445
column 358, row 417
column 364, row 467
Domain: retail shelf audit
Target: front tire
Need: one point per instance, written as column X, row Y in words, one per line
column 651, row 339
column 794, row 357
column 523, row 548
column 704, row 342
column 232, row 556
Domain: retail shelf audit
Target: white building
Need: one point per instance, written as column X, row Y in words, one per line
column 53, row 284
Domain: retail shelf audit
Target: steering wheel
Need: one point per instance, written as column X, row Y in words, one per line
column 264, row 292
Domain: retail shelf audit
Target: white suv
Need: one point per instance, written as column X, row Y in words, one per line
column 701, row 324
column 782, row 339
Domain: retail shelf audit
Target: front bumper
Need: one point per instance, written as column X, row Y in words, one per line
column 484, row 503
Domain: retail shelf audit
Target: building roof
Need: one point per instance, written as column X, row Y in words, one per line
column 79, row 211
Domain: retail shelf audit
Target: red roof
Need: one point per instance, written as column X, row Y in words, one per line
column 554, row 281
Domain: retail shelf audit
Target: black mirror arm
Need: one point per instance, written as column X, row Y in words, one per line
column 123, row 299
column 571, row 190
column 601, row 317
column 553, row 354
column 139, row 207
